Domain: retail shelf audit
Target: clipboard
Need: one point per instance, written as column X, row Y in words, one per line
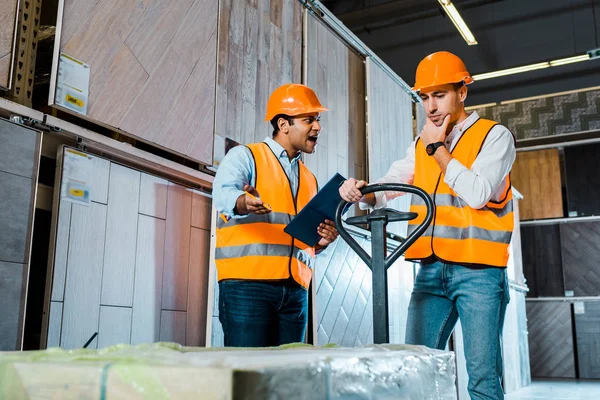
column 321, row 207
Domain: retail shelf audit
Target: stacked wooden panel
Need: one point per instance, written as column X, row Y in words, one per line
column 19, row 162
column 133, row 266
column 536, row 174
column 337, row 74
column 8, row 18
column 153, row 67
column 390, row 130
column 260, row 48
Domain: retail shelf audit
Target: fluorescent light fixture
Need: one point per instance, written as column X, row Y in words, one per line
column 458, row 22
column 531, row 67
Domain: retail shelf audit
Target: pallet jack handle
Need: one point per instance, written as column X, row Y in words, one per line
column 379, row 262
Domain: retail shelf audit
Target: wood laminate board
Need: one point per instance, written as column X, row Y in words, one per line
column 153, row 68
column 54, row 329
column 17, row 198
column 81, row 307
column 153, row 196
column 198, row 287
column 581, row 257
column 339, row 81
column 551, row 351
column 259, row 49
column 19, row 149
column 173, row 327
column 177, row 248
column 100, row 178
column 587, row 328
column 8, row 15
column 389, row 110
column 537, row 176
column 121, row 235
column 114, row 327
column 61, row 249
column 145, row 327
column 201, row 209
column 542, row 260
column 583, row 190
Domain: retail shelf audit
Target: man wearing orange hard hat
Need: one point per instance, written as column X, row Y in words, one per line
column 263, row 272
column 463, row 162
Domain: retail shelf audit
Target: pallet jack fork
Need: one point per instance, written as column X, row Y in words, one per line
column 379, row 262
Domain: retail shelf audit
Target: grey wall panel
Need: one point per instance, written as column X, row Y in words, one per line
column 61, row 251
column 54, row 329
column 580, row 257
column 551, row 351
column 587, row 328
column 16, row 218
column 12, row 303
column 173, row 326
column 114, row 326
column 177, row 249
column 99, row 182
column 121, row 234
column 19, row 149
column 389, row 112
column 153, row 196
column 148, row 280
column 198, row 287
column 84, row 275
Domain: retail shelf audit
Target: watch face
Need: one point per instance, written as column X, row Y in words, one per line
column 430, row 149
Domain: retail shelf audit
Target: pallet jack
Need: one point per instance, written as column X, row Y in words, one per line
column 379, row 262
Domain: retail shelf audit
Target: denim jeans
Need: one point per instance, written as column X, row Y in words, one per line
column 444, row 293
column 260, row 314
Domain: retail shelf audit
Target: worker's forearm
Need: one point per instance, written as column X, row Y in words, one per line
column 443, row 157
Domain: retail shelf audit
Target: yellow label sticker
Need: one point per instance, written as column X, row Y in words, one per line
column 74, row 100
column 76, row 192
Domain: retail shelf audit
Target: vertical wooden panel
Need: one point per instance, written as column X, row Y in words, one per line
column 60, row 252
column 259, row 49
column 8, row 15
column 99, row 182
column 542, row 260
column 172, row 327
column 153, row 196
column 581, row 257
column 114, row 327
column 54, row 329
column 551, row 349
column 583, row 191
column 148, row 280
column 201, row 209
column 587, row 327
column 177, row 248
column 121, row 234
column 13, row 278
column 537, row 176
column 198, row 287
column 84, row 275
column 339, row 81
column 389, row 110
column 153, row 68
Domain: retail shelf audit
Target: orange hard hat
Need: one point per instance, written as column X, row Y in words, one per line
column 293, row 99
column 441, row 68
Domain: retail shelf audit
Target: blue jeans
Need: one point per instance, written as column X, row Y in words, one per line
column 259, row 314
column 445, row 292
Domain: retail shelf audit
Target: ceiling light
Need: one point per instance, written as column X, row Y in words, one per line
column 531, row 67
column 458, row 22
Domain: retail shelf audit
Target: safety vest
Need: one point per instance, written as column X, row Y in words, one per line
column 458, row 233
column 256, row 247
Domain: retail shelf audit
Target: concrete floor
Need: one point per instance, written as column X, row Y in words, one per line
column 558, row 390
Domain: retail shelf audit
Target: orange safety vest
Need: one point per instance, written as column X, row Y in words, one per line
column 256, row 247
column 458, row 233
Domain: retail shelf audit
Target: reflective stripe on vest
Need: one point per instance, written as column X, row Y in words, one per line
column 460, row 234
column 256, row 247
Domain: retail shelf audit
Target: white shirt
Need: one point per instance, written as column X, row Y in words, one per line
column 485, row 180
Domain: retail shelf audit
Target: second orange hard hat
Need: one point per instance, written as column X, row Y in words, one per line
column 441, row 68
column 293, row 99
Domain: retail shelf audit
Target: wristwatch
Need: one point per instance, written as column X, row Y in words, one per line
column 431, row 148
